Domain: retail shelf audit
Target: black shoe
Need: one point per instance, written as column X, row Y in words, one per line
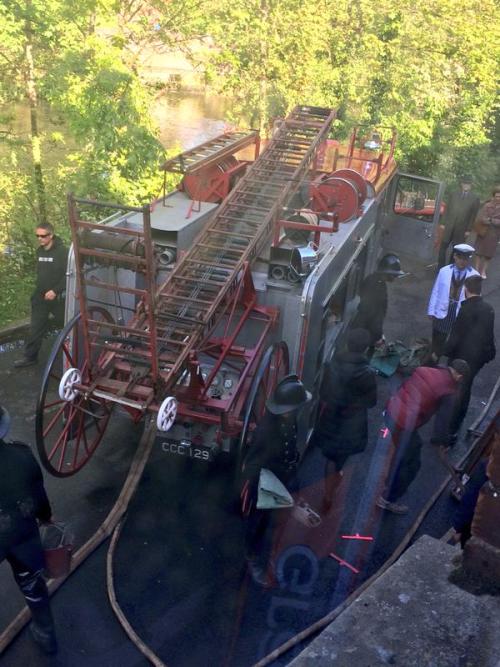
column 387, row 505
column 45, row 640
column 25, row 362
column 260, row 575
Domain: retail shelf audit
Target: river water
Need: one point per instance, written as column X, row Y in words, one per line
column 184, row 120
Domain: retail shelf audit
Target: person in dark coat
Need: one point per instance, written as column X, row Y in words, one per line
column 428, row 392
column 487, row 226
column 47, row 299
column 372, row 307
column 461, row 209
column 464, row 514
column 22, row 501
column 472, row 338
column 272, row 446
column 349, row 388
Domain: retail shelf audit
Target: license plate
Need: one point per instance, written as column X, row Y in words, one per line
column 185, row 449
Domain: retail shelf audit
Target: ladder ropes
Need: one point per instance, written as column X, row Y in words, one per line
column 188, row 301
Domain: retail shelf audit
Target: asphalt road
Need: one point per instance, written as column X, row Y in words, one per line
column 179, row 564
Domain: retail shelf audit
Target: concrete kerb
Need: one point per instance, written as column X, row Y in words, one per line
column 14, row 331
column 413, row 616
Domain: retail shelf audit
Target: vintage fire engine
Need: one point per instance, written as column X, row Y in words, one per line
column 193, row 307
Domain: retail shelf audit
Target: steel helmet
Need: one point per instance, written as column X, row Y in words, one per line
column 289, row 395
column 390, row 265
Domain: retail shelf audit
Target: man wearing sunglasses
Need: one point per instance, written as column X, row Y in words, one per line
column 47, row 299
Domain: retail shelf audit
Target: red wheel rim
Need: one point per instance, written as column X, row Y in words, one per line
column 68, row 433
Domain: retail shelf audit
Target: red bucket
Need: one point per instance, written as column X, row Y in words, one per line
column 57, row 549
column 58, row 561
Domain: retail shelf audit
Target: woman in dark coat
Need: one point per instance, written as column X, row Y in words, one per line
column 488, row 232
column 349, row 389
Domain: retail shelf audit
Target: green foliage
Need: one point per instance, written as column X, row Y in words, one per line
column 267, row 55
column 427, row 69
column 108, row 148
column 15, row 294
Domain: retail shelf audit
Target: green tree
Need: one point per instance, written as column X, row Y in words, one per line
column 71, row 64
column 427, row 69
column 83, row 72
column 266, row 55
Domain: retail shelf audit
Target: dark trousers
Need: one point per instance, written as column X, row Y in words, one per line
column 27, row 562
column 438, row 342
column 442, row 253
column 257, row 528
column 259, row 523
column 41, row 322
column 407, row 461
column 463, row 399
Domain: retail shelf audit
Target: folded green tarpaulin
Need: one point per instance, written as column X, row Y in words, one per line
column 385, row 364
column 272, row 493
column 386, row 359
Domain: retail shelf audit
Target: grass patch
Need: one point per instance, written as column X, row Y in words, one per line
column 15, row 291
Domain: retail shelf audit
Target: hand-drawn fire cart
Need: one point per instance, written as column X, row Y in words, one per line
column 192, row 308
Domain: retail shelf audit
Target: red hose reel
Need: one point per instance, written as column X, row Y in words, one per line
column 338, row 195
column 213, row 182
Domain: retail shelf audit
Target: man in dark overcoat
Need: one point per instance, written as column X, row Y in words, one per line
column 272, row 446
column 349, row 388
column 472, row 338
column 22, row 501
column 372, row 307
column 462, row 207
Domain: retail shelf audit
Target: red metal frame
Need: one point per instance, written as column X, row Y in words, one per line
column 208, row 298
column 383, row 160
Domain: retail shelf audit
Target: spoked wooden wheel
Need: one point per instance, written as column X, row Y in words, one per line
column 69, row 425
column 273, row 367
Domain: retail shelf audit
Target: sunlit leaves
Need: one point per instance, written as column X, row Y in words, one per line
column 430, row 69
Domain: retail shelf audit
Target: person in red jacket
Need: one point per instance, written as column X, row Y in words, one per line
column 428, row 392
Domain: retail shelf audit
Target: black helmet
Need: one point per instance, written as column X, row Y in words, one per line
column 290, row 394
column 390, row 265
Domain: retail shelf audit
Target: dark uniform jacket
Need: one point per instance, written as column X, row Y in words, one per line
column 459, row 217
column 349, row 388
column 273, row 446
column 51, row 269
column 372, row 307
column 472, row 337
column 22, row 494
